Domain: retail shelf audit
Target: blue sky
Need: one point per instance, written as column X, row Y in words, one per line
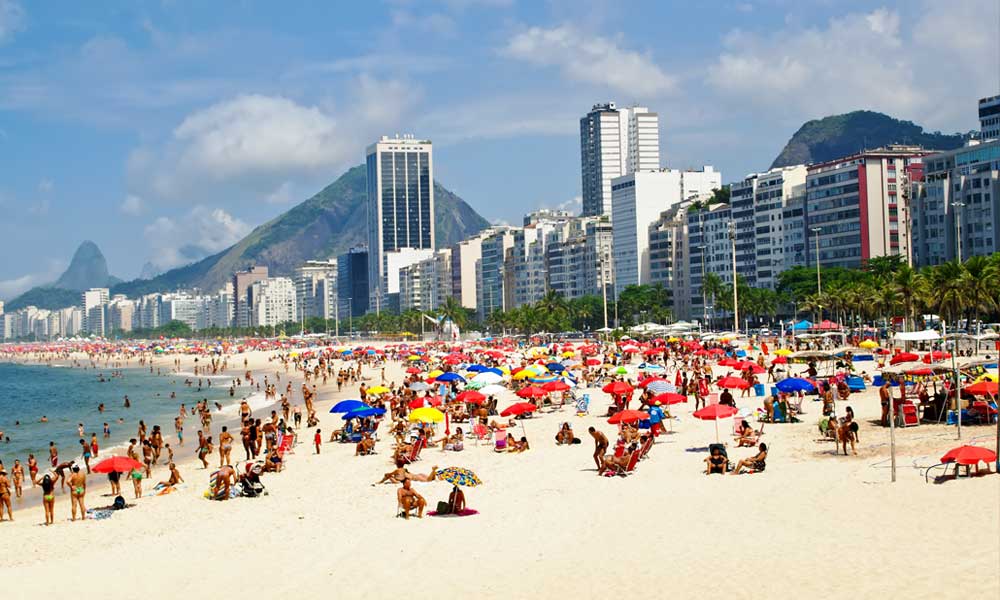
column 167, row 130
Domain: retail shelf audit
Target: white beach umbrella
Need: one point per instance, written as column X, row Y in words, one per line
column 492, row 390
column 488, row 377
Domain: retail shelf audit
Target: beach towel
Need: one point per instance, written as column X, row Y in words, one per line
column 465, row 512
column 99, row 514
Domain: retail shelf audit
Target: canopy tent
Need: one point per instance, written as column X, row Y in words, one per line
column 926, row 335
column 802, row 325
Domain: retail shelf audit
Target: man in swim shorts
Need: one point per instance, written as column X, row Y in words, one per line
column 77, row 490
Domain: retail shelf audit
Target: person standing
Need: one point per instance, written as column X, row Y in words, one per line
column 600, row 447
column 77, row 490
column 318, row 440
column 17, row 473
column 225, row 446
column 5, row 494
column 53, row 454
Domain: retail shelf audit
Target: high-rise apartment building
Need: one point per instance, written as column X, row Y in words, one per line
column 242, row 282
column 614, row 142
column 316, row 289
column 93, row 302
column 856, row 203
column 273, row 302
column 772, row 192
column 989, row 118
column 400, row 177
column 352, row 282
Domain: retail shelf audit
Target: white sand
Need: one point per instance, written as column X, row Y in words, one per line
column 547, row 525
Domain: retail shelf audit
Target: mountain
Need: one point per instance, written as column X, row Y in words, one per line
column 329, row 223
column 840, row 135
column 88, row 269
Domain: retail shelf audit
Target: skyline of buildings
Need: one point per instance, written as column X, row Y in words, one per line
column 653, row 224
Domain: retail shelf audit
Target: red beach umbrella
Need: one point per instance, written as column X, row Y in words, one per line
column 969, row 455
column 518, row 409
column 617, row 387
column 628, row 416
column 470, row 396
column 118, row 464
column 903, row 357
column 982, row 388
column 668, row 398
column 733, row 382
column 555, row 386
column 714, row 412
column 532, row 391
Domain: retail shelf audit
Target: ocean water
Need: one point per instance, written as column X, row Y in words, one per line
column 68, row 396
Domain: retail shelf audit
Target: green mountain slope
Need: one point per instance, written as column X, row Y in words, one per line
column 840, row 135
column 43, row 296
column 329, row 223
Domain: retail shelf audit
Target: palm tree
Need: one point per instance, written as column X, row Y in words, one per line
column 980, row 278
column 813, row 303
column 947, row 293
column 910, row 286
column 453, row 309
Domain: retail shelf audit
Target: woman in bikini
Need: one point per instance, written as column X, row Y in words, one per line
column 48, row 497
column 755, row 462
column 32, row 468
column 400, row 473
column 17, row 475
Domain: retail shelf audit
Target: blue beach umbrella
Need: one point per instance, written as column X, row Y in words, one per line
column 555, row 367
column 347, row 406
column 367, row 411
column 795, row 384
column 494, row 370
column 476, row 368
column 450, row 377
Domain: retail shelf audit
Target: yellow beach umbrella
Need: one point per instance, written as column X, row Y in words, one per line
column 378, row 389
column 524, row 374
column 435, row 373
column 413, row 357
column 987, row 377
column 427, row 414
column 568, row 354
column 782, row 351
column 868, row 344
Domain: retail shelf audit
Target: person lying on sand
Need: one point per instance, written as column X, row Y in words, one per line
column 755, row 462
column 400, row 473
column 409, row 499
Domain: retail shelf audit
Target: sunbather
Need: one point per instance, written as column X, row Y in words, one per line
column 565, row 435
column 716, row 462
column 409, row 499
column 616, row 463
column 400, row 473
column 746, row 436
column 755, row 462
column 518, row 445
column 450, row 442
column 366, row 446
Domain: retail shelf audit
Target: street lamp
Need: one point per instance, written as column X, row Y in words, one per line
column 350, row 315
column 958, row 230
column 819, row 282
column 736, row 298
column 604, row 285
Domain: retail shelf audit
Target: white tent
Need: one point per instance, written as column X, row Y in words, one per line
column 917, row 336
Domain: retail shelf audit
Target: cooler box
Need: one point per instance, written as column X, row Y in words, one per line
column 759, row 389
column 877, row 381
column 909, row 415
column 856, row 384
column 775, row 391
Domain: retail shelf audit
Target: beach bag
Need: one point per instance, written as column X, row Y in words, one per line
column 443, row 508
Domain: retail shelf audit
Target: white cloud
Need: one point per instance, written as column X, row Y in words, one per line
column 11, row 19
column 45, row 186
column 283, row 194
column 929, row 71
column 590, row 59
column 433, row 23
column 199, row 233
column 11, row 288
column 132, row 205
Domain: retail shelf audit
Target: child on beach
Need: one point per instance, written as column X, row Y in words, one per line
column 317, row 440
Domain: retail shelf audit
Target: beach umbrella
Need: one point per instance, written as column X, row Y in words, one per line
column 544, row 379
column 487, row 378
column 795, row 384
column 117, row 464
column 868, row 344
column 347, row 406
column 378, row 389
column 733, row 383
column 783, row 352
column 518, row 409
column 367, row 411
column 593, row 362
column 621, row 371
column 448, row 377
column 424, row 401
column 645, row 383
column 555, row 367
column 661, row 387
column 903, row 357
column 492, row 389
column 668, row 398
column 555, row 386
column 459, row 476
column 935, row 356
column 982, row 388
column 628, row 416
column 426, row 415
column 969, row 455
column 532, row 391
column 617, row 387
column 471, row 396
column 780, row 360
column 419, row 386
column 714, row 412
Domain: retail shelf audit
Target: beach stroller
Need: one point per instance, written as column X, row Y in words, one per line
column 583, row 405
column 250, row 484
column 722, row 450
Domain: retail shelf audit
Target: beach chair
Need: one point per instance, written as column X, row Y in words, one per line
column 645, row 448
column 482, row 432
column 628, row 469
column 500, row 441
column 583, row 406
column 414, row 454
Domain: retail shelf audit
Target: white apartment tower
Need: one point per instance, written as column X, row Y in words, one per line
column 615, row 142
column 400, row 176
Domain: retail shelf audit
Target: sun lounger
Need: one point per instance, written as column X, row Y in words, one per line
column 628, row 469
column 644, row 449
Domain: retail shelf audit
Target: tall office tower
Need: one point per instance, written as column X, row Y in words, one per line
column 614, row 142
column 242, row 280
column 400, row 177
column 352, row 282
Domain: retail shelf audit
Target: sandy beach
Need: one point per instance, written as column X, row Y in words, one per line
column 547, row 525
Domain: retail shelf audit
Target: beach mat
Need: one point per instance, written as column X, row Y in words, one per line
column 465, row 512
